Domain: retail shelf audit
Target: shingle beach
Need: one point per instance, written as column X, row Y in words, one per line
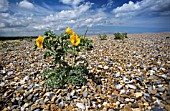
column 129, row 75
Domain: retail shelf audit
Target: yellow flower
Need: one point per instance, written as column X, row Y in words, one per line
column 74, row 39
column 50, row 38
column 16, row 41
column 4, row 42
column 83, row 37
column 69, row 31
column 39, row 42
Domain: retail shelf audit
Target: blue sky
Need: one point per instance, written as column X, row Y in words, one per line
column 33, row 17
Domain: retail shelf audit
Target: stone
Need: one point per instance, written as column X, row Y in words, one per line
column 41, row 101
column 85, row 94
column 30, row 97
column 38, row 109
column 26, row 78
column 127, row 108
column 136, row 109
column 68, row 98
column 10, row 73
column 53, row 107
column 147, row 97
column 46, row 107
column 25, row 106
column 167, row 107
column 61, row 104
column 161, row 89
column 105, row 104
column 5, row 109
column 2, row 84
column 118, row 86
column 53, row 99
column 154, row 91
column 135, row 105
column 117, row 75
column 80, row 105
column 49, row 95
column 138, row 94
column 34, row 106
column 106, row 67
column 131, row 86
column 157, row 109
column 72, row 93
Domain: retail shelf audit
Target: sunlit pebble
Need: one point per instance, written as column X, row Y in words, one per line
column 122, row 91
column 80, row 105
column 118, row 86
column 106, row 67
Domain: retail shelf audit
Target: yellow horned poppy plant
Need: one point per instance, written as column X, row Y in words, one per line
column 69, row 31
column 75, row 40
column 39, row 42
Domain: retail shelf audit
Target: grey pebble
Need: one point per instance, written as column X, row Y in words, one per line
column 80, row 105
column 30, row 97
column 161, row 89
column 10, row 73
column 85, row 94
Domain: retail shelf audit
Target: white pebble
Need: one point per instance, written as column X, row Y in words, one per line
column 80, row 105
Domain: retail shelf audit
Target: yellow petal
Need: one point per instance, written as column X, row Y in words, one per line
column 74, row 39
column 39, row 42
column 69, row 31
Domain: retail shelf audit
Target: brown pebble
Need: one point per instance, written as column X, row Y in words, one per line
column 127, row 108
column 154, row 91
column 53, row 107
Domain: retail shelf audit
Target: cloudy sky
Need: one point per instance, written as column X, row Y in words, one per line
column 33, row 17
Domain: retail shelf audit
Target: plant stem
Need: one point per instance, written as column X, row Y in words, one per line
column 74, row 56
column 85, row 33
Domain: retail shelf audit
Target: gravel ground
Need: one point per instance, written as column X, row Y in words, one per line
column 129, row 75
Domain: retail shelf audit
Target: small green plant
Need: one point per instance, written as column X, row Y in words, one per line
column 4, row 44
column 102, row 36
column 119, row 35
column 73, row 71
column 125, row 35
column 16, row 42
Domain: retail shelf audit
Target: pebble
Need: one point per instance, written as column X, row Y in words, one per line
column 106, row 67
column 10, row 73
column 157, row 109
column 131, row 86
column 129, row 76
column 118, row 86
column 138, row 94
column 161, row 89
column 85, row 94
column 26, row 78
column 135, row 105
column 80, row 105
column 122, row 91
column 72, row 93
column 30, row 97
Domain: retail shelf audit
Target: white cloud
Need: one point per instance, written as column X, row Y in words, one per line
column 109, row 3
column 73, row 13
column 144, row 7
column 71, row 22
column 128, row 7
column 4, row 15
column 2, row 25
column 35, row 19
column 3, row 5
column 26, row 4
column 71, row 2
